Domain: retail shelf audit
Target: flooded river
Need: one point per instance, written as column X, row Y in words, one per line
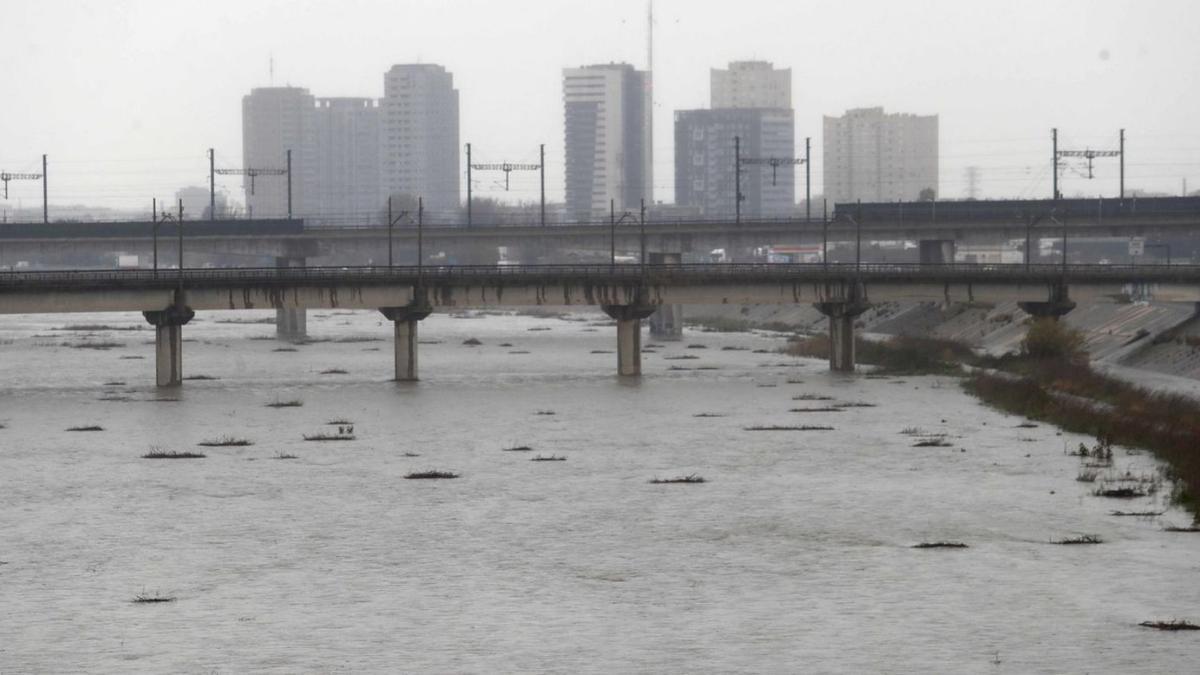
column 795, row 555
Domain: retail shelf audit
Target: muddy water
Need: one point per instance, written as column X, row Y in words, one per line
column 794, row 556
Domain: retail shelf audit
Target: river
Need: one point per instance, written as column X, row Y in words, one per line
column 795, row 555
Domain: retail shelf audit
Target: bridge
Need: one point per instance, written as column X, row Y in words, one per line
column 629, row 293
column 938, row 225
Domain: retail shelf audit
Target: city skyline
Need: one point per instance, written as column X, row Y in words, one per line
column 511, row 102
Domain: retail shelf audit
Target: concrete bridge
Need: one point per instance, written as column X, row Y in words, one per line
column 627, row 293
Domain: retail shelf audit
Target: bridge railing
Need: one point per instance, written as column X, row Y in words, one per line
column 621, row 273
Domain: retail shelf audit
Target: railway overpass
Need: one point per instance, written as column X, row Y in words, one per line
column 627, row 293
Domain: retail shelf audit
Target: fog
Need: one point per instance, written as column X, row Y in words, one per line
column 126, row 96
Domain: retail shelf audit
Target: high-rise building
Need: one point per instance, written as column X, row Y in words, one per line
column 751, row 84
column 705, row 161
column 347, row 185
column 877, row 157
column 275, row 120
column 419, row 137
column 609, row 140
column 196, row 202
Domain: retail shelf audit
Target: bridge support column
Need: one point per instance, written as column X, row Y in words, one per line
column 291, row 323
column 629, row 336
column 842, row 314
column 936, row 251
column 667, row 322
column 404, row 320
column 1057, row 306
column 168, row 343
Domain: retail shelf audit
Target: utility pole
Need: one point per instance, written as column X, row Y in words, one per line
column 1054, row 143
column 808, row 179
column 468, row 184
column 773, row 162
column 179, row 224
column 1122, row 151
column 392, row 224
column 420, row 235
column 612, row 233
column 154, row 231
column 289, row 182
column 737, row 179
column 642, row 223
column 1089, row 155
column 212, row 185
column 542, row 164
column 45, row 195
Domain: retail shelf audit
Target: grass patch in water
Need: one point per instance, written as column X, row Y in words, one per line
column 323, row 436
column 225, row 442
column 430, row 475
column 776, row 427
column 144, row 598
column 159, row 453
column 285, row 455
column 90, row 427
column 516, row 448
column 940, row 544
column 690, row 478
column 547, row 458
column 1172, row 625
column 334, row 371
column 1080, row 540
column 291, row 403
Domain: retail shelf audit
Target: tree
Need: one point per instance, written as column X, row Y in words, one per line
column 927, row 195
column 1049, row 338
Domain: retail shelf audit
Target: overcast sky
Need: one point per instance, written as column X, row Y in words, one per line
column 127, row 95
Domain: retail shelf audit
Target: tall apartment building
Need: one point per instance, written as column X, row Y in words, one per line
column 347, row 179
column 609, row 139
column 419, row 137
column 876, row 157
column 751, row 84
column 705, row 161
column 275, row 120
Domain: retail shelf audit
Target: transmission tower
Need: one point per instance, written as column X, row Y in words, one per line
column 6, row 176
column 972, row 182
column 255, row 172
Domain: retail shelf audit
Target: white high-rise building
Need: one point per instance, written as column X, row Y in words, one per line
column 876, row 157
column 751, row 84
column 419, row 137
column 609, row 139
column 274, row 121
column 347, row 185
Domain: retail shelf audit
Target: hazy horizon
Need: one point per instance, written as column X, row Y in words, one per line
column 126, row 97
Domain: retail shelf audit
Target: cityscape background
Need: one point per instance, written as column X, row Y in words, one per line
column 126, row 97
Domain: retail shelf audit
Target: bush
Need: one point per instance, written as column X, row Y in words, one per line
column 1051, row 339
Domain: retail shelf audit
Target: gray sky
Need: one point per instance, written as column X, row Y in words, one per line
column 127, row 95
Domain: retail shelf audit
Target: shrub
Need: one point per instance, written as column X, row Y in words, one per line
column 1051, row 339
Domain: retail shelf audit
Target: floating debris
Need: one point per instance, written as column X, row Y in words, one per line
column 932, row 443
column 547, row 458
column 708, row 415
column 814, row 410
column 292, row 403
column 1082, row 539
column 334, row 371
column 90, row 427
column 803, row 427
column 471, row 342
column 517, row 448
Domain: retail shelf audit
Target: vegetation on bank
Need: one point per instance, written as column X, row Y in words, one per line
column 1049, row 379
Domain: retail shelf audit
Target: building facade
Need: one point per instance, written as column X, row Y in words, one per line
column 347, row 183
column 274, row 121
column 875, row 157
column 705, row 161
column 609, row 139
column 419, row 138
column 751, row 84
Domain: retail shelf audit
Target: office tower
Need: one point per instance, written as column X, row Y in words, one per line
column 874, row 157
column 419, row 137
column 705, row 161
column 347, row 179
column 609, row 140
column 275, row 120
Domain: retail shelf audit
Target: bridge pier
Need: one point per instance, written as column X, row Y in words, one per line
column 842, row 314
column 404, row 320
column 667, row 322
column 168, row 343
column 629, row 336
column 291, row 323
column 1057, row 306
column 936, row 251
